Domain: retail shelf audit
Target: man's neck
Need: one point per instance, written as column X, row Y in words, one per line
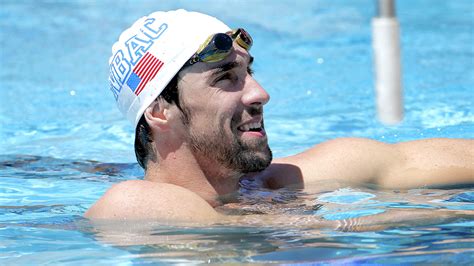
column 217, row 185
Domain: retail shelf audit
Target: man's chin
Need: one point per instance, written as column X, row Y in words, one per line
column 255, row 161
column 255, row 144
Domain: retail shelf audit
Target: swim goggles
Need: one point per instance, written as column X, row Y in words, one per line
column 218, row 46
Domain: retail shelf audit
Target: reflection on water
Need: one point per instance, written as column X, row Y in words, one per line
column 220, row 244
column 42, row 200
column 37, row 167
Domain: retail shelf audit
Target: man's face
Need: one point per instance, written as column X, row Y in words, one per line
column 223, row 113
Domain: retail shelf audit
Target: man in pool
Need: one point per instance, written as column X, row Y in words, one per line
column 185, row 81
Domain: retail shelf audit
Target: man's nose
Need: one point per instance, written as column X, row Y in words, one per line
column 254, row 94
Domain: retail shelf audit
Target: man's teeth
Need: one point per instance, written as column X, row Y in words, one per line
column 251, row 126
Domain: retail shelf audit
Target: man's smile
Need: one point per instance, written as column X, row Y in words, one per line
column 252, row 130
column 253, row 127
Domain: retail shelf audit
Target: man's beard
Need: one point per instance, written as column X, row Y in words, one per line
column 229, row 151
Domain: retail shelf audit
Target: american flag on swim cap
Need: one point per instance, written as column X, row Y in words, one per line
column 145, row 70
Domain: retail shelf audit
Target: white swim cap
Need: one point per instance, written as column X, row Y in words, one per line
column 150, row 53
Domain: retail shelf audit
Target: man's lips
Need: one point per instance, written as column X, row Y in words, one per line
column 255, row 126
column 252, row 127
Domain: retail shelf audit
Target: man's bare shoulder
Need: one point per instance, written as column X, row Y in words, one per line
column 142, row 200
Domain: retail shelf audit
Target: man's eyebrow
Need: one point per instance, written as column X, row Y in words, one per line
column 223, row 68
column 227, row 66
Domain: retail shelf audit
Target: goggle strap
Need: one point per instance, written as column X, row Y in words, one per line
column 242, row 44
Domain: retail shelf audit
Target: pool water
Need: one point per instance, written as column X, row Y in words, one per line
column 63, row 141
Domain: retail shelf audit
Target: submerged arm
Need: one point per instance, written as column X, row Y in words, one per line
column 392, row 218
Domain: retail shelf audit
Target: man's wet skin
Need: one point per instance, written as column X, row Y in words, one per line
column 220, row 127
column 227, row 123
column 215, row 138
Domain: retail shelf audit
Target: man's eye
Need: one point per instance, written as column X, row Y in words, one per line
column 226, row 76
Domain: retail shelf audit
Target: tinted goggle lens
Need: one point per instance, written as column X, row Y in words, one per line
column 218, row 46
column 221, row 42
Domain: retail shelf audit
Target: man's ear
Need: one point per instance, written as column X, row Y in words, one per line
column 156, row 115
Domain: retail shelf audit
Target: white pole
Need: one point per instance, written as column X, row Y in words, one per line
column 386, row 45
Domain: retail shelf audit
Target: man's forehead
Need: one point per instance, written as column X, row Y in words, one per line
column 226, row 65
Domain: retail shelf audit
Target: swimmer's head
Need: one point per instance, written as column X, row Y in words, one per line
column 150, row 53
